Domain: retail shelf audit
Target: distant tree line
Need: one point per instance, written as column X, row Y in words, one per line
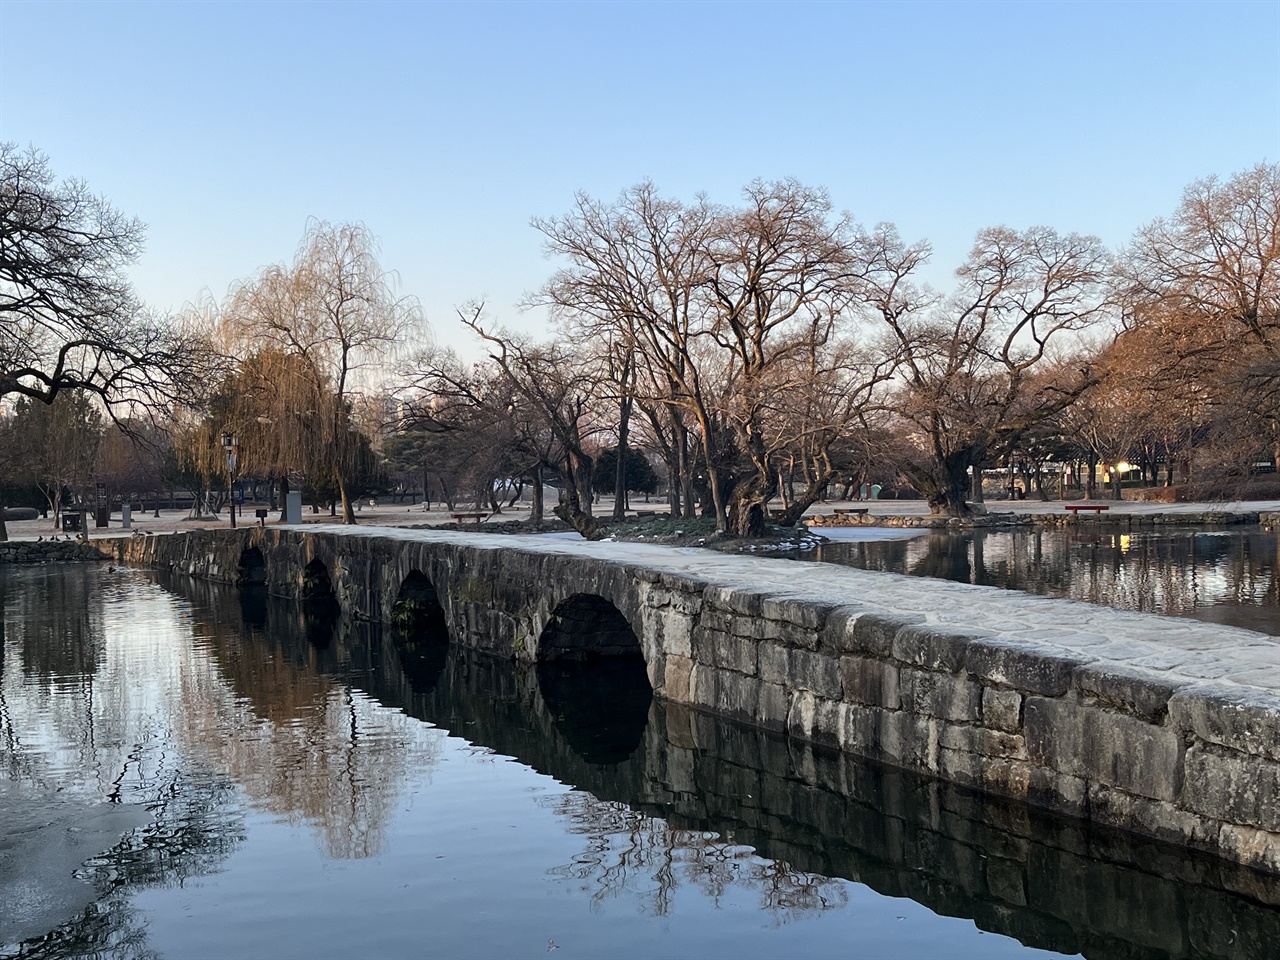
column 743, row 359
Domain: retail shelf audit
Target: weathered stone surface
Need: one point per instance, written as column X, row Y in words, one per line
column 25, row 551
column 934, row 648
column 1143, row 693
column 1250, row 846
column 734, row 601
column 1002, row 709
column 872, row 633
column 1233, row 786
column 1164, row 821
column 939, row 695
column 801, row 613
column 1119, row 750
column 735, row 653
column 1230, row 715
column 982, row 742
column 1023, row 666
column 872, row 682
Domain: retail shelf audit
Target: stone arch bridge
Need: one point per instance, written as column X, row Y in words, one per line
column 1168, row 728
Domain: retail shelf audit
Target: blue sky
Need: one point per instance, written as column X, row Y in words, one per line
column 445, row 127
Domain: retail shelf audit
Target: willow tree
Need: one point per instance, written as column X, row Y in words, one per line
column 334, row 314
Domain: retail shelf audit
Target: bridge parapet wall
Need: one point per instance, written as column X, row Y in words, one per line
column 1166, row 728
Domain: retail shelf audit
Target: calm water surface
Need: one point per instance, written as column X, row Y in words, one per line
column 305, row 788
column 1227, row 576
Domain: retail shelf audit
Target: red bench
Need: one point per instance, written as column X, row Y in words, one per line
column 1097, row 508
column 460, row 517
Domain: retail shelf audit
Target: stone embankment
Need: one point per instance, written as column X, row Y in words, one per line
column 1126, row 521
column 51, row 551
column 1168, row 728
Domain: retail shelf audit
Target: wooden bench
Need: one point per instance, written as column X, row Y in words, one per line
column 1097, row 508
column 459, row 518
column 844, row 511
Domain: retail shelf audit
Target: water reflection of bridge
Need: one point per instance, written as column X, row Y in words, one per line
column 1049, row 882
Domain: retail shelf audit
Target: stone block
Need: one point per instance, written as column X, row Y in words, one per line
column 737, row 696
column 982, row 742
column 934, row 648
column 1233, row 786
column 836, row 633
column 741, row 602
column 790, row 634
column 684, row 584
column 718, row 620
column 1002, row 709
column 827, row 723
column 939, row 695
column 773, row 662
column 1154, row 818
column 751, row 628
column 815, row 671
column 702, row 644
column 775, row 706
column 1253, row 847
column 860, row 733
column 800, row 715
column 676, row 675
column 809, row 614
column 872, row 633
column 1007, row 881
column 1026, row 667
column 1143, row 693
column 871, row 682
column 1242, row 718
column 735, row 653
column 909, row 741
column 1080, row 740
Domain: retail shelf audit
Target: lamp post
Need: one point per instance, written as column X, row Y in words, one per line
column 229, row 445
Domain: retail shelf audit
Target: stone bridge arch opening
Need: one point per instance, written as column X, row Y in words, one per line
column 588, row 627
column 252, row 569
column 421, row 632
column 317, row 585
column 593, row 678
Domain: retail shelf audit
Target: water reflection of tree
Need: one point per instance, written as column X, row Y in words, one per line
column 309, row 748
column 197, row 824
column 627, row 851
column 1171, row 571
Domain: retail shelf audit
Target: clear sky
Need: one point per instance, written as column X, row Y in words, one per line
column 446, row 126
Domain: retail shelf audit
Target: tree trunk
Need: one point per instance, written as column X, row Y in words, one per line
column 976, row 486
column 535, row 508
column 620, row 475
column 569, row 509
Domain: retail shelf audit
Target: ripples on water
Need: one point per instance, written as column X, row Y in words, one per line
column 312, row 788
column 1227, row 576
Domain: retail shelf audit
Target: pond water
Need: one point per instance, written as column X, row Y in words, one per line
column 230, row 776
column 1229, row 576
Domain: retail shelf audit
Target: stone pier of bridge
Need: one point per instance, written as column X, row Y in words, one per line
column 1165, row 727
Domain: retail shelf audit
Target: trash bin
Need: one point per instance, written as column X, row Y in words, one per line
column 70, row 521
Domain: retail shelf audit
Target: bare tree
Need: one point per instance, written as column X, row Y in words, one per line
column 969, row 362
column 69, row 319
